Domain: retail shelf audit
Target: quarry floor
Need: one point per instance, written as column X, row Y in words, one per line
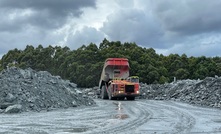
column 126, row 117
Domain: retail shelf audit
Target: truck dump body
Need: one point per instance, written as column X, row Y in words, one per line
column 114, row 68
column 114, row 82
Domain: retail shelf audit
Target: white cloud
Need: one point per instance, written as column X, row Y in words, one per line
column 84, row 36
column 198, row 45
column 188, row 16
column 134, row 25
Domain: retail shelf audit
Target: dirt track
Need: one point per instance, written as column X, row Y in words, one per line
column 140, row 117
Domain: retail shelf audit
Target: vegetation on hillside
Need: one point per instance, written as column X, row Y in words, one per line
column 84, row 65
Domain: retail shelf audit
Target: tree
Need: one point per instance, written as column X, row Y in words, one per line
column 153, row 77
column 104, row 44
column 201, row 73
column 163, row 80
column 83, row 66
column 181, row 74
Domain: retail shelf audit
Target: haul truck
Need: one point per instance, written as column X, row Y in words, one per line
column 115, row 82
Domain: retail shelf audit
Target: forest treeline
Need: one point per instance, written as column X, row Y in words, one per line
column 83, row 66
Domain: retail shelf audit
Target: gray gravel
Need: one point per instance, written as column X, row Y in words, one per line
column 29, row 90
column 205, row 92
column 117, row 117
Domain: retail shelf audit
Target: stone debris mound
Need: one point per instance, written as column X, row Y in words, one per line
column 29, row 90
column 205, row 92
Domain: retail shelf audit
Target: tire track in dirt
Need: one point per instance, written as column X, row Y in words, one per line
column 130, row 115
column 182, row 121
column 133, row 114
column 113, row 117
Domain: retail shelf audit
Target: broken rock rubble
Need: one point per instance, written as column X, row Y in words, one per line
column 205, row 92
column 29, row 90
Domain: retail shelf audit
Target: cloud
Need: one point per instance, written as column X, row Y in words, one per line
column 37, row 22
column 187, row 17
column 185, row 26
column 53, row 7
column 46, row 14
column 168, row 26
column 84, row 37
column 134, row 25
column 30, row 36
column 204, row 44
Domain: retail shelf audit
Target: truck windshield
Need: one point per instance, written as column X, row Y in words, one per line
column 135, row 80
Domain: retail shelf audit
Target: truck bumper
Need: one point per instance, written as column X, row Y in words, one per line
column 123, row 94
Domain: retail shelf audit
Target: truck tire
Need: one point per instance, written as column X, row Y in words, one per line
column 109, row 94
column 104, row 94
column 111, row 98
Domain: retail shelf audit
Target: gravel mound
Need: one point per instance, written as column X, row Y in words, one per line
column 28, row 90
column 205, row 92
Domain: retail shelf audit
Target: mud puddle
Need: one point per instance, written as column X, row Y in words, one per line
column 120, row 113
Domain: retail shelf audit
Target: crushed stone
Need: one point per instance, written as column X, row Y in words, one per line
column 29, row 90
column 205, row 92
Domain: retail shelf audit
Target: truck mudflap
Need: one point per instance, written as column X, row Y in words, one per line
column 104, row 92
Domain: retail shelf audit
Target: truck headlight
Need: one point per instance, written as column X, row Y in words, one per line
column 120, row 92
column 138, row 92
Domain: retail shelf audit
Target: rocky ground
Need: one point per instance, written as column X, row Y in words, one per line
column 28, row 90
column 117, row 117
column 205, row 92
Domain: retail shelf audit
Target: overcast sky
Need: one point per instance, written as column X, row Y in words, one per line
column 192, row 27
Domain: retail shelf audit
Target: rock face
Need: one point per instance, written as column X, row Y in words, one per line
column 36, row 91
column 205, row 92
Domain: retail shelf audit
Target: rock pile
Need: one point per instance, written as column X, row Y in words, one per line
column 205, row 92
column 28, row 90
column 91, row 92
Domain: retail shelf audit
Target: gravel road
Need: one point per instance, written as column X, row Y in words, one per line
column 126, row 117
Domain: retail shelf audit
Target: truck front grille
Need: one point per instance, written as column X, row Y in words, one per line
column 129, row 88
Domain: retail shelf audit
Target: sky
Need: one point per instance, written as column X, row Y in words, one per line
column 191, row 27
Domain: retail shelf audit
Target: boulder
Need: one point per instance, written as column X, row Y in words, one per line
column 14, row 109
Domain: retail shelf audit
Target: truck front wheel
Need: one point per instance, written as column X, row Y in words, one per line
column 110, row 94
column 111, row 98
column 104, row 94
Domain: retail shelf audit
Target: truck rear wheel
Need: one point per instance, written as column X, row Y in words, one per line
column 104, row 94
